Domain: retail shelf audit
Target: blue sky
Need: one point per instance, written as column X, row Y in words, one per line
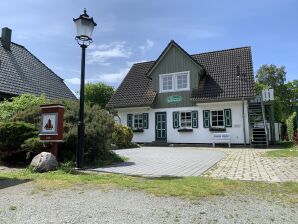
column 134, row 30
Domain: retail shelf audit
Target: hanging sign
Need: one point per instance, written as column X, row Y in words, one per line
column 174, row 99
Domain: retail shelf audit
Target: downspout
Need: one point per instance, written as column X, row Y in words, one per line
column 243, row 117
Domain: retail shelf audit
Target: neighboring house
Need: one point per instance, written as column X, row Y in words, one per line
column 182, row 98
column 21, row 72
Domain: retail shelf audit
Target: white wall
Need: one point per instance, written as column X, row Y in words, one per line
column 200, row 134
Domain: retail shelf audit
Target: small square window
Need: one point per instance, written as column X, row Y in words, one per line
column 217, row 118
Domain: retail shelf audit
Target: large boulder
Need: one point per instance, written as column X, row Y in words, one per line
column 44, row 162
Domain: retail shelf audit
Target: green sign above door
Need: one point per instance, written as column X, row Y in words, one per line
column 174, row 99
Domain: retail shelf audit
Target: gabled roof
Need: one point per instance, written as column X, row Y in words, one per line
column 164, row 53
column 219, row 83
column 21, row 72
column 136, row 89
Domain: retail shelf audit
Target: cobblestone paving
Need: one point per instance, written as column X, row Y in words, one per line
column 249, row 164
column 165, row 161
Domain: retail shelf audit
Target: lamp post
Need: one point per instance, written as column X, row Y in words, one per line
column 84, row 26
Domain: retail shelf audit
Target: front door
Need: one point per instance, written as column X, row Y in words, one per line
column 161, row 126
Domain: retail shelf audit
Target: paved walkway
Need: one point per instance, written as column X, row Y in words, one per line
column 165, row 161
column 249, row 164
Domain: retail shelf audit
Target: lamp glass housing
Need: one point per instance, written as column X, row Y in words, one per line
column 85, row 26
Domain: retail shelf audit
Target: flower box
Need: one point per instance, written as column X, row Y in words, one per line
column 185, row 130
column 138, row 130
column 215, row 129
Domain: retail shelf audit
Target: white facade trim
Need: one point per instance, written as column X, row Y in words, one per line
column 198, row 135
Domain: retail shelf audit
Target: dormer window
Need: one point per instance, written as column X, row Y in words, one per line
column 174, row 82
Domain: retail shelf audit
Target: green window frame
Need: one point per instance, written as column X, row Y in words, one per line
column 129, row 120
column 194, row 119
column 206, row 118
column 145, row 120
column 176, row 119
column 228, row 117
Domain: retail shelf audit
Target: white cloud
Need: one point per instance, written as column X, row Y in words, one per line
column 100, row 54
column 74, row 81
column 147, row 46
column 110, row 78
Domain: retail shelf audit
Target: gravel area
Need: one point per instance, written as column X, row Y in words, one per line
column 84, row 204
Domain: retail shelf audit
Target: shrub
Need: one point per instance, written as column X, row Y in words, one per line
column 99, row 125
column 14, row 134
column 34, row 145
column 290, row 126
column 9, row 108
column 122, row 136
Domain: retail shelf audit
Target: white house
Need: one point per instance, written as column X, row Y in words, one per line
column 182, row 98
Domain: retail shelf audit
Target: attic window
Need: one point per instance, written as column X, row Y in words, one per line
column 174, row 82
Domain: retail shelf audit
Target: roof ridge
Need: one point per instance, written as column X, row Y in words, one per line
column 229, row 49
column 208, row 52
column 143, row 62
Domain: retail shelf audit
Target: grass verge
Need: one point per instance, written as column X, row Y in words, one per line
column 188, row 187
column 289, row 150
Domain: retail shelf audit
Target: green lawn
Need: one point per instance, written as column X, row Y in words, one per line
column 188, row 187
column 289, row 150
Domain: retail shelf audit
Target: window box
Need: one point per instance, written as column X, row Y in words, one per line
column 217, row 129
column 185, row 130
column 138, row 130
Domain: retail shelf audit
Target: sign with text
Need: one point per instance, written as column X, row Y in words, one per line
column 174, row 99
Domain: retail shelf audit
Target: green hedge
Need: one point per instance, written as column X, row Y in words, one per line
column 290, row 126
column 122, row 136
column 14, row 134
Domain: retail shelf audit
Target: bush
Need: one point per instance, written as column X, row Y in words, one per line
column 9, row 108
column 99, row 125
column 14, row 134
column 122, row 136
column 290, row 126
column 35, row 146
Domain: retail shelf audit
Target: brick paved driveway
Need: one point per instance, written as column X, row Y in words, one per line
column 165, row 161
column 249, row 164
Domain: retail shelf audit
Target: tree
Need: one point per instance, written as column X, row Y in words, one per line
column 271, row 76
column 98, row 93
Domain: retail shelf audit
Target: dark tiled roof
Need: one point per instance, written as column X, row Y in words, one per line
column 136, row 88
column 219, row 83
column 21, row 72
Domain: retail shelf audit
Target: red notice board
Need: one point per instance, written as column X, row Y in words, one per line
column 51, row 123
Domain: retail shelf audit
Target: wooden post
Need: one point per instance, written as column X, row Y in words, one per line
column 54, row 148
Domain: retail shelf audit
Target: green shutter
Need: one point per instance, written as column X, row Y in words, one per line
column 206, row 118
column 176, row 119
column 129, row 120
column 194, row 118
column 145, row 121
column 228, row 117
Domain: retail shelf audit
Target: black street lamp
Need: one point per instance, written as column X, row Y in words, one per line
column 84, row 25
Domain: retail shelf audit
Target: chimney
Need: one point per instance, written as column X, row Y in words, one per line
column 6, row 38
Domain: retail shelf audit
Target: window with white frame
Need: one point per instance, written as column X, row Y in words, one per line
column 138, row 121
column 217, row 118
column 167, row 83
column 185, row 119
column 182, row 81
column 174, row 82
